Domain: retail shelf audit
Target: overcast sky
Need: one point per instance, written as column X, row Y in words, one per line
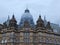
column 48, row 8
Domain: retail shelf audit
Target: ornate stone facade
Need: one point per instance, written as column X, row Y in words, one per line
column 27, row 35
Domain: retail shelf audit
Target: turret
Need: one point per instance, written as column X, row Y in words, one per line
column 6, row 23
column 40, row 23
column 48, row 27
column 13, row 22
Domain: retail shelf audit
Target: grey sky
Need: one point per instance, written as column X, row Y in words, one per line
column 48, row 8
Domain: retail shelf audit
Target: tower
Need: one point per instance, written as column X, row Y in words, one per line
column 6, row 23
column 40, row 23
column 48, row 27
column 13, row 22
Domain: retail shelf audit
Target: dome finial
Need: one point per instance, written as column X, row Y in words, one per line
column 27, row 10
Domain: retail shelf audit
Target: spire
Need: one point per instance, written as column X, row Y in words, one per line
column 13, row 17
column 8, row 17
column 8, row 21
column 39, row 19
column 44, row 17
column 45, row 22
